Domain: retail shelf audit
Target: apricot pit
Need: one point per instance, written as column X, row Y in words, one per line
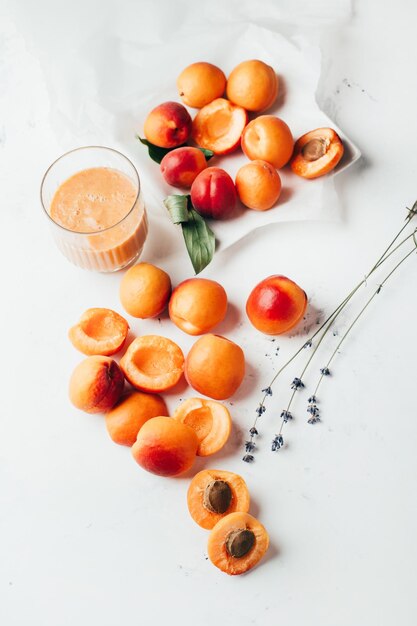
column 217, row 496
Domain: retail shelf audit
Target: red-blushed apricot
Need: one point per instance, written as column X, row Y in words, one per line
column 127, row 417
column 197, row 305
column 212, row 494
column 181, row 166
column 253, row 85
column 153, row 363
column 215, row 366
column 145, row 290
column 96, row 384
column 200, row 83
column 237, row 543
column 276, row 305
column 165, row 446
column 213, row 193
column 210, row 420
column 258, row 185
column 99, row 331
column 219, row 125
column 268, row 138
column 316, row 153
column 168, row 125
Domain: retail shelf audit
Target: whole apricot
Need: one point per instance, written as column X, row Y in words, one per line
column 213, row 193
column 276, row 305
column 96, row 384
column 165, row 446
column 200, row 83
column 253, row 85
column 268, row 138
column 258, row 185
column 145, row 290
column 168, row 125
column 181, row 166
column 127, row 417
column 215, row 366
column 197, row 305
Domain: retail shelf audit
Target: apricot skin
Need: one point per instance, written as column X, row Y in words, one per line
column 253, row 85
column 96, row 384
column 165, row 446
column 168, row 125
column 268, row 138
column 276, row 305
column 145, row 290
column 197, row 305
column 215, row 366
column 213, row 193
column 126, row 418
column 181, row 166
column 200, row 83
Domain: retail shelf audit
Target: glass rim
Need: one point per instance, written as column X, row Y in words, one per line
column 93, row 232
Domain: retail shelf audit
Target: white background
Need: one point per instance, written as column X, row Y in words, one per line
column 86, row 537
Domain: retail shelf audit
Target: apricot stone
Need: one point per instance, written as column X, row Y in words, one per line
column 145, row 290
column 197, row 305
column 215, row 366
column 276, row 305
column 213, row 193
column 168, row 125
column 96, row 384
column 181, row 166
column 165, row 446
column 127, row 417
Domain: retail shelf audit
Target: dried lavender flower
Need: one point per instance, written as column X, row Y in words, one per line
column 286, row 415
column 253, row 431
column 248, row 458
column 325, row 371
column 297, row 383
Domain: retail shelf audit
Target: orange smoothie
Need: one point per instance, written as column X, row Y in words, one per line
column 102, row 205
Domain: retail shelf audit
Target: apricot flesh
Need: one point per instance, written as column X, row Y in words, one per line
column 96, row 384
column 181, row 166
column 168, row 125
column 316, row 153
column 215, row 366
column 268, row 138
column 210, row 420
column 258, row 185
column 218, row 126
column 165, row 446
column 276, row 305
column 197, row 305
column 200, row 83
column 153, row 363
column 99, row 331
column 253, row 85
column 237, row 543
column 126, row 418
column 145, row 290
column 207, row 505
column 213, row 193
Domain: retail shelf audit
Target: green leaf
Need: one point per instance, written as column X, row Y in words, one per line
column 177, row 206
column 199, row 240
column 207, row 153
column 155, row 152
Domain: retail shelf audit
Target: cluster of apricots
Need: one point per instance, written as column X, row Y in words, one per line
column 221, row 126
column 214, row 367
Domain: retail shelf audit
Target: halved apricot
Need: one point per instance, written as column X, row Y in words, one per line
column 212, row 494
column 237, row 543
column 127, row 417
column 211, row 421
column 153, row 363
column 99, row 331
column 218, row 126
column 316, row 153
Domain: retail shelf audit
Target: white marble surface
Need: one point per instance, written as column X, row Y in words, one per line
column 86, row 536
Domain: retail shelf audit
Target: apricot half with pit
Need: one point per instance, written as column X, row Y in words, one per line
column 99, row 331
column 237, row 543
column 276, row 305
column 212, row 494
column 153, row 363
column 96, row 384
column 165, row 446
column 218, row 126
column 210, row 420
column 215, row 366
column 316, row 153
column 197, row 305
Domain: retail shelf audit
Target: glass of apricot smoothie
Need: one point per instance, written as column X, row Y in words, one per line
column 93, row 200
